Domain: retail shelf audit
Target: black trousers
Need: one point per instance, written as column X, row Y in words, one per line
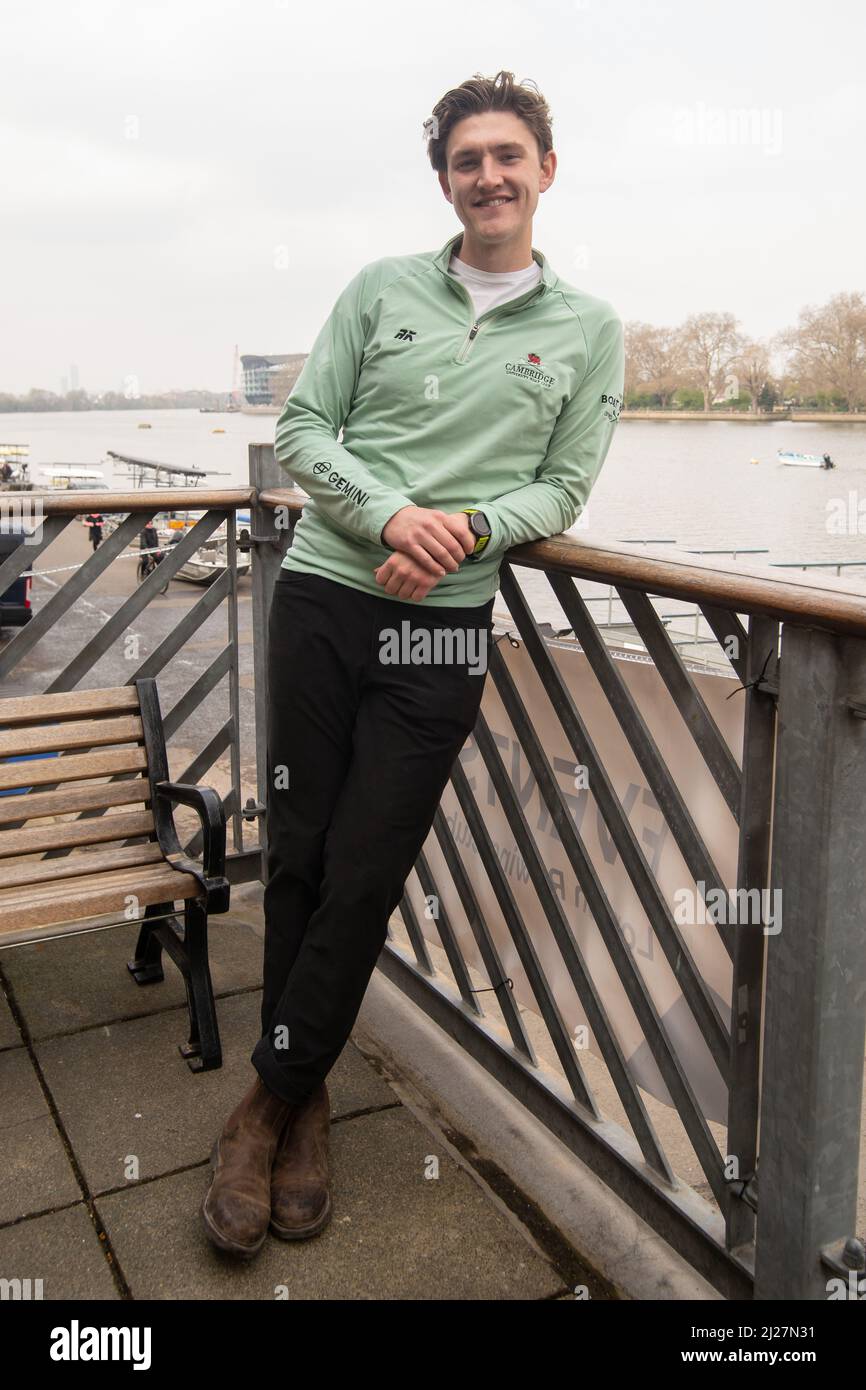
column 360, row 748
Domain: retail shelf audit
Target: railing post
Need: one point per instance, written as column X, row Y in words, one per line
column 815, row 1006
column 265, row 559
column 759, row 734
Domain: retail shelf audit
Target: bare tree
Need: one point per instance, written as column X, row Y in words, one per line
column 828, row 348
column 710, row 344
column 752, row 368
column 653, row 360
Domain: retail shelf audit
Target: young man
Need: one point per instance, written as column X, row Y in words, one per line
column 477, row 394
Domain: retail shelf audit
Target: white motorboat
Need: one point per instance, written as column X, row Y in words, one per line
column 71, row 475
column 794, row 460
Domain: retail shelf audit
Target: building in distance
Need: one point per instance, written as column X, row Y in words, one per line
column 268, row 380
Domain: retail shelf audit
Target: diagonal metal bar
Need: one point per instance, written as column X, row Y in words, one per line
column 191, row 621
column 652, row 900
column 686, row 696
column 572, row 956
column 486, row 945
column 668, row 796
column 725, row 626
column 51, row 612
column 639, row 997
column 547, row 1005
column 176, row 556
column 416, row 936
column 446, row 935
column 208, row 755
column 22, row 557
column 197, row 692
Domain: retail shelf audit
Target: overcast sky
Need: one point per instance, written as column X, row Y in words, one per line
column 181, row 177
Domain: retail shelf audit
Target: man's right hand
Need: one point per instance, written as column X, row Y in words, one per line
column 427, row 537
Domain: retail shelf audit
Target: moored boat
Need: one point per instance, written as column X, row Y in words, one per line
column 795, row 460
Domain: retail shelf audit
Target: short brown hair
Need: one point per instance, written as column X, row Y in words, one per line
column 477, row 94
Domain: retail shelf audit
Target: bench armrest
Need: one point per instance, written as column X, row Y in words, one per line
column 205, row 801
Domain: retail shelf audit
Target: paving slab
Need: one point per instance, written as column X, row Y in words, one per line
column 63, row 1250
column 74, row 982
column 35, row 1169
column 124, row 1092
column 10, row 1035
column 396, row 1233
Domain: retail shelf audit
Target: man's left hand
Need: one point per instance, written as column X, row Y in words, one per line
column 403, row 577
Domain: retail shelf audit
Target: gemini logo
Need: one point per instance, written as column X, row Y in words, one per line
column 351, row 490
column 406, row 335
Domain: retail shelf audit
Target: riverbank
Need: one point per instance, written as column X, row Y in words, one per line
column 805, row 417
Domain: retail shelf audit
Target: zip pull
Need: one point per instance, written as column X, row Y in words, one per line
column 467, row 343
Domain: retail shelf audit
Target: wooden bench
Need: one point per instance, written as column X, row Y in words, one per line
column 121, row 853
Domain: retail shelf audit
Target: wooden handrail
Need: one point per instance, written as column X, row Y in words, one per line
column 825, row 601
column 142, row 500
column 835, row 604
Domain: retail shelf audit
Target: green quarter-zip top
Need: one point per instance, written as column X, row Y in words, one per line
column 512, row 412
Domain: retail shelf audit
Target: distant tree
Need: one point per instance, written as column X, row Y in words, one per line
column 752, row 369
column 653, row 362
column 768, row 398
column 687, row 399
column 710, row 342
column 828, row 349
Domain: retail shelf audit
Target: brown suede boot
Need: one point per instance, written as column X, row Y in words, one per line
column 300, row 1195
column 237, row 1206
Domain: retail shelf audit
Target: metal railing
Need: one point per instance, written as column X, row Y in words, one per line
column 790, row 1052
column 58, row 512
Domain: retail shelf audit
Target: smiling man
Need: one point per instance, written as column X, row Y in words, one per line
column 477, row 394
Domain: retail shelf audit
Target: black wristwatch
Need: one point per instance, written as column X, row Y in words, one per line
column 480, row 527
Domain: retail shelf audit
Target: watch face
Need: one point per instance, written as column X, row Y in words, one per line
column 479, row 523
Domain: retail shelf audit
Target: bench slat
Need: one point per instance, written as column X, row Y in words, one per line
column 32, row 709
column 91, row 862
column 93, row 831
column 67, row 800
column 127, row 878
column 84, row 733
column 72, row 767
column 94, row 895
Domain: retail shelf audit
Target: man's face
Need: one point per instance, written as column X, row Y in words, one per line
column 491, row 157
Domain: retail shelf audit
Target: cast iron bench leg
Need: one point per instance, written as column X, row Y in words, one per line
column 146, row 968
column 203, row 1051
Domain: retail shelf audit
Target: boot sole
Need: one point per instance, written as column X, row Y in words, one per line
column 312, row 1228
column 215, row 1235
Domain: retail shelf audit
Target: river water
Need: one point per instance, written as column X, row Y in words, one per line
column 674, row 480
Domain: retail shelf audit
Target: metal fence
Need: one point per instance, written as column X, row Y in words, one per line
column 790, row 1054
column 791, row 1051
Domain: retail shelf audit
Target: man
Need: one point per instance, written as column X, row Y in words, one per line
column 95, row 522
column 477, row 393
